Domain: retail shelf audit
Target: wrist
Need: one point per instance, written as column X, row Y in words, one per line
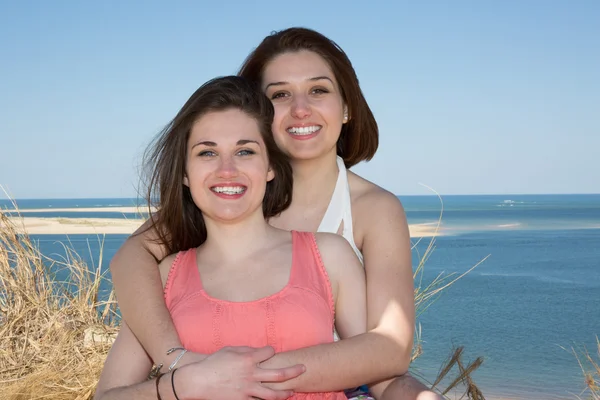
column 177, row 357
column 163, row 387
column 189, row 383
column 165, row 359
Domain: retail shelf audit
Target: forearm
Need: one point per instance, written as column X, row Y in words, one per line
column 139, row 291
column 370, row 357
column 142, row 391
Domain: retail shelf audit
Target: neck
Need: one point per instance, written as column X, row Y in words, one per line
column 237, row 240
column 314, row 179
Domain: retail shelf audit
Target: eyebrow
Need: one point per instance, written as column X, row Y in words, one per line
column 213, row 144
column 316, row 78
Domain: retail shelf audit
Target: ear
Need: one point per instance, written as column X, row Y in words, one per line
column 346, row 117
column 270, row 174
column 186, row 182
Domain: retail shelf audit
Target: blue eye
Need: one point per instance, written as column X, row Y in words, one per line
column 246, row 152
column 206, row 153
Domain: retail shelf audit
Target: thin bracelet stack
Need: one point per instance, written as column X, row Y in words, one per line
column 172, row 370
column 172, row 385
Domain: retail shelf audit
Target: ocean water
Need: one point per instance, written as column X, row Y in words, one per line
column 70, row 203
column 535, row 296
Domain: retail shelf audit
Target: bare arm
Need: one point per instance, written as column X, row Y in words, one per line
column 125, row 370
column 384, row 351
column 388, row 262
column 347, row 276
column 230, row 373
column 136, row 276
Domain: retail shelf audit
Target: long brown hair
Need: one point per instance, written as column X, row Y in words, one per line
column 359, row 137
column 178, row 223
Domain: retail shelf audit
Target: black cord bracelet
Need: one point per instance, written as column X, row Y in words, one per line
column 173, row 383
column 157, row 391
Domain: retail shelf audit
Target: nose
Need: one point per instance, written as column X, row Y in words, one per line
column 300, row 107
column 227, row 167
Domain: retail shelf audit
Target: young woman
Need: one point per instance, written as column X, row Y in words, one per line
column 324, row 124
column 232, row 279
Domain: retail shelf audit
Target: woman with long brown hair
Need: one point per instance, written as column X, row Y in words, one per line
column 232, row 279
column 324, row 124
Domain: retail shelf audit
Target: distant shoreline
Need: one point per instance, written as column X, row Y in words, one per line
column 110, row 226
column 126, row 210
column 75, row 226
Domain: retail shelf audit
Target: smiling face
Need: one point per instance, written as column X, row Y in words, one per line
column 309, row 109
column 227, row 166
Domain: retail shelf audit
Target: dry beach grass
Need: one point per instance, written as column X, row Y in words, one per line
column 52, row 332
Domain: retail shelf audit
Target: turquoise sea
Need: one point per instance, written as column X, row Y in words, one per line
column 522, row 309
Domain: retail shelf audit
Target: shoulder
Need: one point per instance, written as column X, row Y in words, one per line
column 372, row 205
column 331, row 243
column 144, row 241
column 336, row 253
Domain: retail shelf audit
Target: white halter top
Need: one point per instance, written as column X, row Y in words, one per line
column 340, row 209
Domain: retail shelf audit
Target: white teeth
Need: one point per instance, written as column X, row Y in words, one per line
column 305, row 130
column 229, row 189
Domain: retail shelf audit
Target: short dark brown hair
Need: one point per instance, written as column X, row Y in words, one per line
column 179, row 223
column 360, row 136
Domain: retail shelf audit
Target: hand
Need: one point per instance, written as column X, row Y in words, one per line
column 233, row 373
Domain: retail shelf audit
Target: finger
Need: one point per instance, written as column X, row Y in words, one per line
column 264, row 393
column 262, row 354
column 279, row 374
column 242, row 349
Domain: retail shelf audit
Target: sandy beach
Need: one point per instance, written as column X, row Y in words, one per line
column 423, row 230
column 73, row 226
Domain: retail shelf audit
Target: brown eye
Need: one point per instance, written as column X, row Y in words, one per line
column 278, row 95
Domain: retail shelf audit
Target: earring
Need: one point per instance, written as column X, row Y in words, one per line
column 345, row 114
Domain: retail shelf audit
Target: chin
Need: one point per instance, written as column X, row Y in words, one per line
column 309, row 154
column 227, row 219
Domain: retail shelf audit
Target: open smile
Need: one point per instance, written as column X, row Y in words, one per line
column 229, row 191
column 304, row 131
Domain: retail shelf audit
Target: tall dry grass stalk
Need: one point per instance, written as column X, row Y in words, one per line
column 590, row 367
column 462, row 385
column 54, row 335
column 425, row 296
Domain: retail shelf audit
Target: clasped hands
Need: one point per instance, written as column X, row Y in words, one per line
column 232, row 373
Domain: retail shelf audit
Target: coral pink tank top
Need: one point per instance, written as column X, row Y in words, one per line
column 299, row 315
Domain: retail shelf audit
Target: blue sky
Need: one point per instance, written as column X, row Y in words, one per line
column 472, row 97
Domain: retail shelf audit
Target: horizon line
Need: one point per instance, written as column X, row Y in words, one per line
column 397, row 195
